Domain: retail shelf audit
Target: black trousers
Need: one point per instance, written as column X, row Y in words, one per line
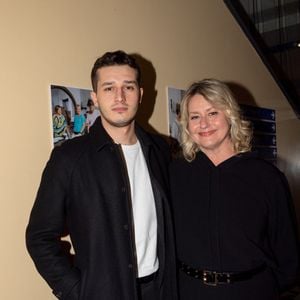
column 148, row 290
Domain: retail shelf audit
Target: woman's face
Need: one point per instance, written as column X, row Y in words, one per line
column 78, row 110
column 208, row 126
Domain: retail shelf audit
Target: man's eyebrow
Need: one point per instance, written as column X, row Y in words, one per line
column 130, row 81
column 125, row 81
column 107, row 83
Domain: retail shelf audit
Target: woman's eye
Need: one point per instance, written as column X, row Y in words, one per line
column 213, row 113
column 194, row 117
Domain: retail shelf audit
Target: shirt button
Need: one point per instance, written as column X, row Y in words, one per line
column 125, row 227
column 123, row 189
column 130, row 266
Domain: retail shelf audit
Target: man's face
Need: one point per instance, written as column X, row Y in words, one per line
column 91, row 108
column 118, row 95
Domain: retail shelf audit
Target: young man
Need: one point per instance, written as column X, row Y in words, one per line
column 91, row 115
column 108, row 191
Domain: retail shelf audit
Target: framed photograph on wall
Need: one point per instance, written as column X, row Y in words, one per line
column 174, row 98
column 73, row 112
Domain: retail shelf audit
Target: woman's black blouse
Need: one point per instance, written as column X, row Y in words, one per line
column 235, row 216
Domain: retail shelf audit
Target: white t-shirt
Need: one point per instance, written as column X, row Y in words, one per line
column 144, row 211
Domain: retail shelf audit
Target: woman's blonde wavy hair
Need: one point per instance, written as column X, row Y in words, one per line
column 219, row 95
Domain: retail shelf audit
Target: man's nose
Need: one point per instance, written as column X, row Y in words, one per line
column 120, row 95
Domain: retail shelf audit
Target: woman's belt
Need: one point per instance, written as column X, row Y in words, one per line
column 214, row 278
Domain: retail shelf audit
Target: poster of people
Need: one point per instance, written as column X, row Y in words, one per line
column 174, row 98
column 73, row 112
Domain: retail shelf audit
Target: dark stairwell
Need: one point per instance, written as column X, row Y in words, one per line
column 273, row 27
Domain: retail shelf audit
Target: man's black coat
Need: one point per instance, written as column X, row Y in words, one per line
column 85, row 192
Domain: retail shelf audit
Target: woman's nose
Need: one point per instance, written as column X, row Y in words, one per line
column 203, row 122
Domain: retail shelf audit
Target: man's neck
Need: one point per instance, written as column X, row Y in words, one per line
column 121, row 135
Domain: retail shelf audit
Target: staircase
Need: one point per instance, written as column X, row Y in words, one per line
column 273, row 27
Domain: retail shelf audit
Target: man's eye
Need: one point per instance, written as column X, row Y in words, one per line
column 129, row 88
column 108, row 89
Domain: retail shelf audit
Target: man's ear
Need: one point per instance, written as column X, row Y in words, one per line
column 94, row 98
column 141, row 95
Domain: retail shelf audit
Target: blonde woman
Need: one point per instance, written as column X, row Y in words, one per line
column 232, row 211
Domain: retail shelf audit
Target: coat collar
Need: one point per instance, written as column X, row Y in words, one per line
column 99, row 137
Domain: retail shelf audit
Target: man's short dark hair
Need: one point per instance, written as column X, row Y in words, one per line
column 116, row 58
column 90, row 103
